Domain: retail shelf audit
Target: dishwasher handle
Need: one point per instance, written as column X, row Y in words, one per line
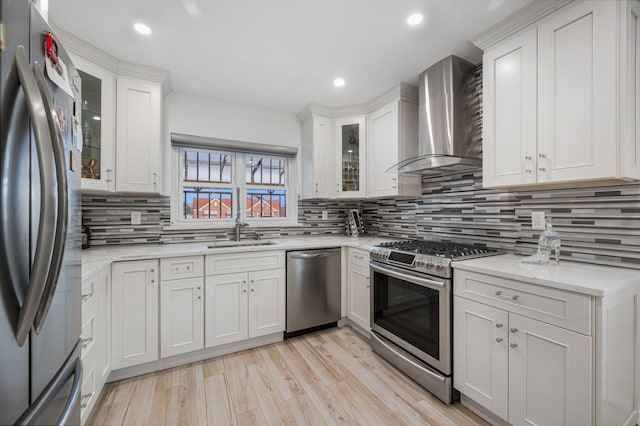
column 314, row 255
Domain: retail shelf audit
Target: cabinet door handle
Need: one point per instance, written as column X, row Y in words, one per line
column 499, row 339
column 542, row 156
column 86, row 296
column 515, row 297
column 86, row 395
column 514, row 345
column 499, row 325
column 85, row 342
column 514, row 330
column 499, row 293
column 527, row 158
column 542, row 169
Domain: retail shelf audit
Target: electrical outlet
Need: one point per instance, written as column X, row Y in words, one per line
column 537, row 220
column 136, row 218
column 325, row 215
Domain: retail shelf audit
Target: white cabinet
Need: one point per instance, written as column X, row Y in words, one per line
column 181, row 305
column 134, row 313
column 560, row 103
column 392, row 136
column 97, row 124
column 181, row 316
column 537, row 354
column 318, row 158
column 247, row 299
column 350, row 157
column 95, row 338
column 509, row 111
column 523, row 370
column 138, row 135
column 359, row 288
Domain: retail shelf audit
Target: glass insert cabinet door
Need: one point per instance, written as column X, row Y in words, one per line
column 350, row 137
column 97, row 125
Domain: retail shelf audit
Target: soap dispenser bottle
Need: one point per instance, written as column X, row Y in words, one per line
column 548, row 243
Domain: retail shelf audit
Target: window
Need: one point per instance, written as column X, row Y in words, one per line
column 211, row 185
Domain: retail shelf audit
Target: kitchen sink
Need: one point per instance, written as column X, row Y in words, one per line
column 249, row 243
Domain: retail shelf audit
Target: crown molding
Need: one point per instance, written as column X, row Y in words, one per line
column 402, row 91
column 518, row 20
column 101, row 58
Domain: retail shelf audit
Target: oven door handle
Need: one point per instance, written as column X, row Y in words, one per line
column 424, row 282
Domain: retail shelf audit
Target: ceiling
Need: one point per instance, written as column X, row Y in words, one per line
column 283, row 54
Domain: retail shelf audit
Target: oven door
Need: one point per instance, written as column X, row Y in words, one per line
column 413, row 311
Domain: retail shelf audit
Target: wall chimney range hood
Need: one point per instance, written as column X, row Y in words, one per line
column 450, row 120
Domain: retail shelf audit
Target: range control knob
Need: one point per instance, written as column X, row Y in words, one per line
column 419, row 263
column 439, row 266
column 429, row 264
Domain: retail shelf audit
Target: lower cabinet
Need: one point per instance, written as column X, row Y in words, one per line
column 134, row 313
column 244, row 305
column 95, row 338
column 516, row 366
column 359, row 288
column 181, row 316
column 523, row 370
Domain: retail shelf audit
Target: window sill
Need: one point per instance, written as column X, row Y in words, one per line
column 229, row 225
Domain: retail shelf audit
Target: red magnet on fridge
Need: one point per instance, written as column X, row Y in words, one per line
column 51, row 52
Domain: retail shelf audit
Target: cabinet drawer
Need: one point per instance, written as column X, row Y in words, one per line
column 174, row 268
column 558, row 307
column 230, row 263
column 89, row 290
column 359, row 257
column 88, row 388
column 89, row 328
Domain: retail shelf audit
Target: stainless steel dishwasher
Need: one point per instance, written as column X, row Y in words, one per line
column 313, row 290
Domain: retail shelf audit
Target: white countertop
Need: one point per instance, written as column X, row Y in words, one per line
column 593, row 280
column 94, row 259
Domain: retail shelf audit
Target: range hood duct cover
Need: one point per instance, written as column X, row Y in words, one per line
column 449, row 120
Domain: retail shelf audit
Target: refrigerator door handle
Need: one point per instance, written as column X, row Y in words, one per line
column 20, row 74
column 63, row 200
column 72, row 367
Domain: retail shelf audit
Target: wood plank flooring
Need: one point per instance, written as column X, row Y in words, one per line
column 330, row 377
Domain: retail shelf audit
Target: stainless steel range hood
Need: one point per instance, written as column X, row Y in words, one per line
column 450, row 120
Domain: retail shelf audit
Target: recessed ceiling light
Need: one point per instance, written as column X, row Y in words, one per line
column 142, row 28
column 338, row 82
column 414, row 19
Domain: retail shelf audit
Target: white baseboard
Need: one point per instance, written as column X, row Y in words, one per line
column 195, row 356
column 482, row 412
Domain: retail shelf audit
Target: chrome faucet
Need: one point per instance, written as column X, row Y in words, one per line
column 239, row 222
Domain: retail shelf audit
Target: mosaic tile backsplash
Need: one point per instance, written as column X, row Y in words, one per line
column 597, row 224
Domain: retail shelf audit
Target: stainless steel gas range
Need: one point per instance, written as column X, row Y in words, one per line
column 411, row 308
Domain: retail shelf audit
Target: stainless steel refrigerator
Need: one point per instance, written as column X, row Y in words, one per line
column 40, row 276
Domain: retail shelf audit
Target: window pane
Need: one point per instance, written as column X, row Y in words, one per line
column 266, row 203
column 265, row 170
column 207, row 166
column 207, row 203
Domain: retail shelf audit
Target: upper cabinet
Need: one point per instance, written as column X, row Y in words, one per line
column 97, row 124
column 346, row 153
column 350, row 160
column 392, row 136
column 139, row 106
column 318, row 158
column 560, row 98
column 120, row 120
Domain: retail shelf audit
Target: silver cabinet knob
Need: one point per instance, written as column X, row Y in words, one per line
column 499, row 293
column 499, row 339
column 542, row 156
column 528, row 170
column 499, row 325
column 515, row 297
column 542, row 169
column 513, row 330
column 514, row 345
column 527, row 157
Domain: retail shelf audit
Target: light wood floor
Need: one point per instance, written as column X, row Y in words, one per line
column 329, row 377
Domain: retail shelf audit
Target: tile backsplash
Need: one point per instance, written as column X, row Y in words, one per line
column 597, row 224
column 109, row 217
